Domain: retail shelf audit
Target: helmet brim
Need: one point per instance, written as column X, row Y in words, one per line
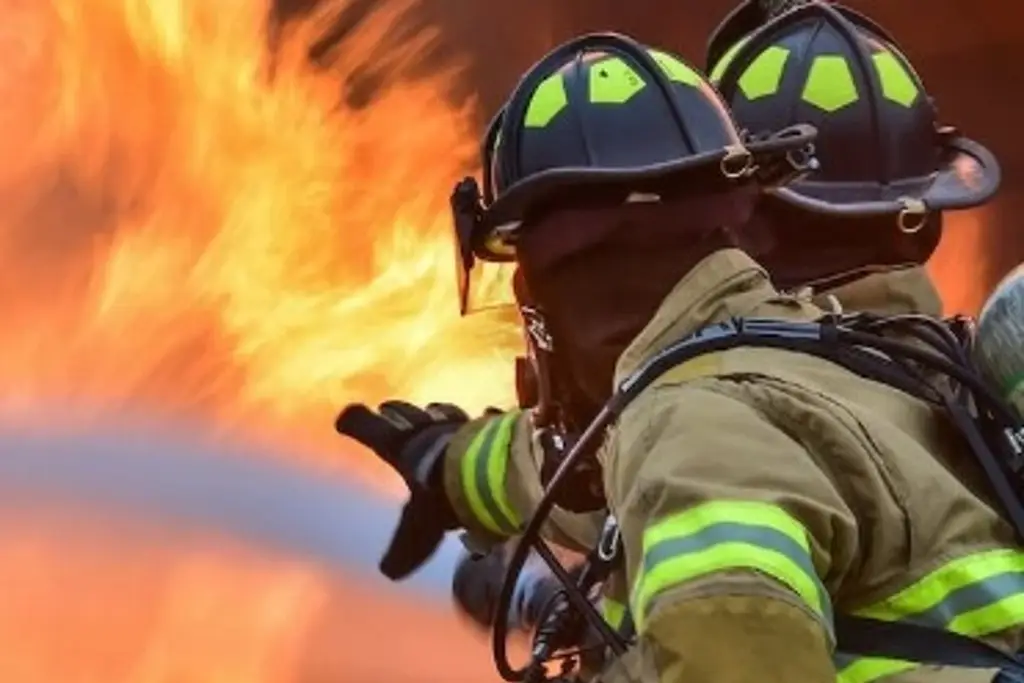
column 969, row 176
column 769, row 162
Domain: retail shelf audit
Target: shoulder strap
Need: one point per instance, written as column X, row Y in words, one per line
column 857, row 636
column 864, row 637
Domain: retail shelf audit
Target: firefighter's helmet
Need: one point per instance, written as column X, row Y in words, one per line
column 603, row 118
column 880, row 144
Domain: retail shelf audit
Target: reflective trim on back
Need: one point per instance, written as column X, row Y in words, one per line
column 977, row 595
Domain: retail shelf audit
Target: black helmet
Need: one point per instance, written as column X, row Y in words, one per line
column 737, row 26
column 603, row 118
column 881, row 148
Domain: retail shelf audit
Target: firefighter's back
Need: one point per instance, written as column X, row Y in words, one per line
column 930, row 546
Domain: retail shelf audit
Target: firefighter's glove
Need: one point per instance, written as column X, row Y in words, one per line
column 476, row 585
column 412, row 440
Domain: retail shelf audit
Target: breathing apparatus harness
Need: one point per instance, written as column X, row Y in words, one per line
column 928, row 354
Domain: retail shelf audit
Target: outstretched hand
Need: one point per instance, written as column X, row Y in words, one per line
column 412, row 441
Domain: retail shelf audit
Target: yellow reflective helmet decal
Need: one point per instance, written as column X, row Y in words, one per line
column 897, row 84
column 719, row 70
column 612, row 81
column 762, row 77
column 830, row 85
column 548, row 100
column 676, row 69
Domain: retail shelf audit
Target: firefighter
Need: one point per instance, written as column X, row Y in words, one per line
column 759, row 491
column 849, row 260
column 707, row 148
column 879, row 143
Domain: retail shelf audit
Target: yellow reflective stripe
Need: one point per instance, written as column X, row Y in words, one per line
column 976, row 596
column 726, row 511
column 613, row 611
column 999, row 616
column 722, row 535
column 867, row 669
column 932, row 590
column 719, row 70
column 483, row 469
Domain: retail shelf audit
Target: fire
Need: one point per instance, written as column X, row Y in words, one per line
column 188, row 230
column 960, row 266
column 185, row 232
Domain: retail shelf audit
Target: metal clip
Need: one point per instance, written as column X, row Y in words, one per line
column 535, row 327
column 737, row 163
column 608, row 546
column 912, row 216
column 804, row 159
column 1016, row 439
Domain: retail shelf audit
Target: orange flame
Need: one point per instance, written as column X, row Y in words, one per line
column 183, row 234
column 960, row 266
column 182, row 231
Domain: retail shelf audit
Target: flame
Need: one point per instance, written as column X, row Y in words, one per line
column 960, row 266
column 182, row 231
column 188, row 230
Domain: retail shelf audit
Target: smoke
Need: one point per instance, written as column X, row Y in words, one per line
column 180, row 485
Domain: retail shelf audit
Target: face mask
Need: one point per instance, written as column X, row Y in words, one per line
column 600, row 274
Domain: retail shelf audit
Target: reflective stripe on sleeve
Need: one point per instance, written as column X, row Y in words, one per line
column 613, row 611
column 727, row 535
column 483, row 470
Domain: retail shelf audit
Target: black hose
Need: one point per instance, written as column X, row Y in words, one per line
column 531, row 538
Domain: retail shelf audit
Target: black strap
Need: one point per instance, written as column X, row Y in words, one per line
column 856, row 636
column 864, row 637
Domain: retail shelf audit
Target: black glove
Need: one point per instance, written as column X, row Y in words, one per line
column 476, row 585
column 412, row 440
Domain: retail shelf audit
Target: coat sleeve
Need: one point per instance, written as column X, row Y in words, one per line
column 731, row 531
column 492, row 479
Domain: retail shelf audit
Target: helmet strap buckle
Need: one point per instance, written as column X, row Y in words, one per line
column 737, row 163
column 803, row 161
column 912, row 217
column 467, row 217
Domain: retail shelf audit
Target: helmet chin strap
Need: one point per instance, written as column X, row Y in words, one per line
column 539, row 350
